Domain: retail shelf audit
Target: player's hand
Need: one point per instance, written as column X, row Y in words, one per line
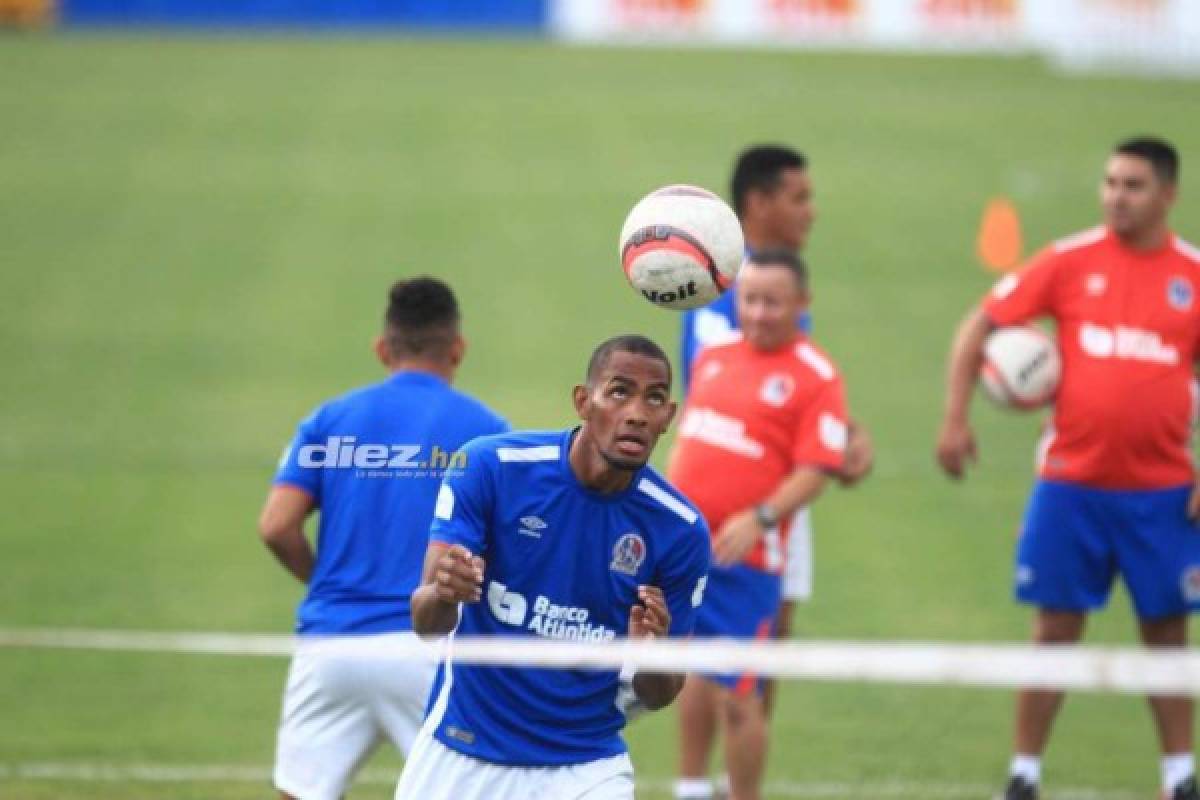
column 1193, row 508
column 458, row 576
column 860, row 456
column 739, row 533
column 956, row 448
column 649, row 619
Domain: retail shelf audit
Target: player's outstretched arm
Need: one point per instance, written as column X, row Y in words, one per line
column 651, row 619
column 281, row 526
column 451, row 575
column 956, row 441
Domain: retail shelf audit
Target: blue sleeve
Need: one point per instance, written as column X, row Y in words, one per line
column 302, row 461
column 463, row 511
column 702, row 327
column 687, row 349
column 683, row 578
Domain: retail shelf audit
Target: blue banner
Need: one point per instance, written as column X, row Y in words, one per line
column 480, row 15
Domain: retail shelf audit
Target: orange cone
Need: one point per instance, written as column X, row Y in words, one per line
column 999, row 244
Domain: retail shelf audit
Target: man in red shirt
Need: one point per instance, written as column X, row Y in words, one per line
column 764, row 425
column 1116, row 486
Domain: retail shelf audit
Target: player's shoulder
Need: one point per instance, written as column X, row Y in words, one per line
column 337, row 406
column 1079, row 242
column 661, row 496
column 811, row 359
column 1185, row 250
column 469, row 408
column 729, row 341
column 521, row 447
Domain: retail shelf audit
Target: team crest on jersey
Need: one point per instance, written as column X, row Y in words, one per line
column 1190, row 584
column 628, row 553
column 1095, row 284
column 777, row 389
column 1179, row 293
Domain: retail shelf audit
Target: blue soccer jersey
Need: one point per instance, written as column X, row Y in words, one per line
column 563, row 562
column 373, row 460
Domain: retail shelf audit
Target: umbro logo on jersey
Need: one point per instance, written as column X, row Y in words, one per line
column 1095, row 284
column 709, row 371
column 532, row 526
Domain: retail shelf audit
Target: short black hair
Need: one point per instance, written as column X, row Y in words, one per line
column 1163, row 157
column 760, row 169
column 422, row 318
column 625, row 343
column 782, row 257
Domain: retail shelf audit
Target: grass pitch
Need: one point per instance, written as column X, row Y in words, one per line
column 196, row 236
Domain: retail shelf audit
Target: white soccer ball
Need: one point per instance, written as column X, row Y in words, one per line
column 1021, row 367
column 681, row 247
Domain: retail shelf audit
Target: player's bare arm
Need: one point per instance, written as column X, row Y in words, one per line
column 281, row 526
column 742, row 530
column 860, row 456
column 650, row 619
column 956, row 441
column 451, row 575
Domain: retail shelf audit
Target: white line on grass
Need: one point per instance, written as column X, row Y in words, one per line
column 94, row 772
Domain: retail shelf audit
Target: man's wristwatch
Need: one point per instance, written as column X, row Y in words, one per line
column 765, row 516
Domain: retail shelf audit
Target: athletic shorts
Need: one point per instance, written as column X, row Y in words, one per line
column 339, row 704
column 740, row 602
column 798, row 568
column 1076, row 539
column 435, row 772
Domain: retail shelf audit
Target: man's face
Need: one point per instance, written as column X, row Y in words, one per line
column 769, row 303
column 787, row 213
column 1134, row 199
column 627, row 407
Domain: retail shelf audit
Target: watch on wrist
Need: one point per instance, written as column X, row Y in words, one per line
column 765, row 517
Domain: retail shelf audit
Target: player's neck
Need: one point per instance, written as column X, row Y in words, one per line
column 1152, row 238
column 758, row 241
column 758, row 244
column 441, row 369
column 593, row 470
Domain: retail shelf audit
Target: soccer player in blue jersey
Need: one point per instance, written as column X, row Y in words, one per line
column 772, row 195
column 566, row 535
column 371, row 461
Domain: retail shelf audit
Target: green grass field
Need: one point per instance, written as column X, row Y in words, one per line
column 196, row 236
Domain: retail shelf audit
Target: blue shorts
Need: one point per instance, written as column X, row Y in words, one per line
column 740, row 602
column 1076, row 539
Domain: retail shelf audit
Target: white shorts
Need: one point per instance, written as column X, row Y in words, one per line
column 798, row 568
column 339, row 705
column 435, row 772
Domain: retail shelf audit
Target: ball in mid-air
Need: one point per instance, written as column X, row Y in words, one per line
column 1021, row 367
column 681, row 247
